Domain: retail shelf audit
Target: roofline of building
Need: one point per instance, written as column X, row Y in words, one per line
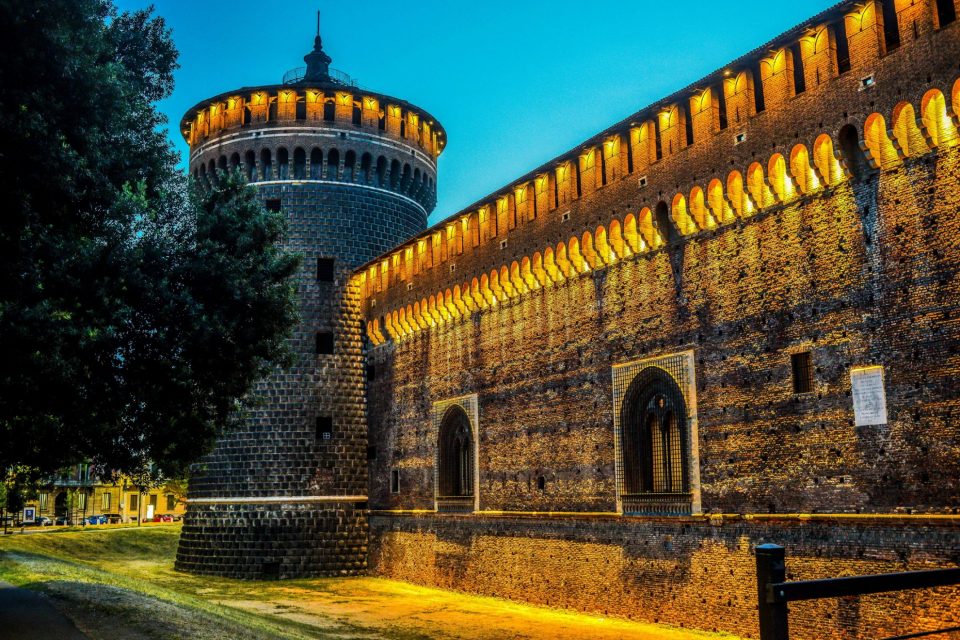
column 827, row 15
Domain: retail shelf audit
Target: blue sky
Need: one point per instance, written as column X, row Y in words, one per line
column 513, row 83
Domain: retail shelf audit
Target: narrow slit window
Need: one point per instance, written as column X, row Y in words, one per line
column 395, row 481
column 802, row 366
column 843, row 48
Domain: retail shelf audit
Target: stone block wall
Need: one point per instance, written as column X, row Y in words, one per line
column 687, row 572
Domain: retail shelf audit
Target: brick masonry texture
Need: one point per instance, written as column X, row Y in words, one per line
column 680, row 571
column 859, row 270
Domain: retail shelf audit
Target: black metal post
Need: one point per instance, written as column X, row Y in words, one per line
column 771, row 569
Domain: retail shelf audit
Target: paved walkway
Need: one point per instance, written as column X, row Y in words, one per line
column 27, row 614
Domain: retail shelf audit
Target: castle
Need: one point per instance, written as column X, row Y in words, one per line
column 729, row 319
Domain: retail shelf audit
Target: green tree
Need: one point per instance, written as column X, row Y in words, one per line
column 135, row 314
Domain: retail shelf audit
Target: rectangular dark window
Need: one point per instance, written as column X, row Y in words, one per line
column 171, row 502
column 325, row 269
column 799, row 81
column 946, row 12
column 722, row 107
column 395, row 481
column 629, row 139
column 688, row 122
column 371, row 372
column 891, row 28
column 758, row 100
column 382, row 123
column 801, row 364
column 329, row 111
column 134, row 502
column 324, row 343
column 843, row 47
column 324, row 427
column 272, row 204
column 356, row 115
column 371, row 453
column 656, row 135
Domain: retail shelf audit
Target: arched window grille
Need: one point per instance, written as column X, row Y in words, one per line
column 456, row 462
column 655, row 441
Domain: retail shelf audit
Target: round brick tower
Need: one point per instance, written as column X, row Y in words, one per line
column 354, row 172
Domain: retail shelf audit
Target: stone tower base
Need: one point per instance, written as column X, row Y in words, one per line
column 276, row 540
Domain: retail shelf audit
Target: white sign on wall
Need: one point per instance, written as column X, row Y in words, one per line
column 869, row 396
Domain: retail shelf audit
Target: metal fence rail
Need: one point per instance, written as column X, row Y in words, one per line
column 774, row 592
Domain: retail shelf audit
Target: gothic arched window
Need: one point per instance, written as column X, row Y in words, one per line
column 456, row 462
column 655, row 441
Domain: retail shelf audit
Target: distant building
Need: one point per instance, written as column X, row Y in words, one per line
column 78, row 494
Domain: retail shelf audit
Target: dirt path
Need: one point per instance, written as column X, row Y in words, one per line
column 27, row 614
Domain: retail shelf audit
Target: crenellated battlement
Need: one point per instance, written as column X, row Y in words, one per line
column 324, row 106
column 859, row 88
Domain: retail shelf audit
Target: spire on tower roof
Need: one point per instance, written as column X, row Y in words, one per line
column 318, row 62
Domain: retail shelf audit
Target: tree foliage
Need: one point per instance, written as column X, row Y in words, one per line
column 135, row 315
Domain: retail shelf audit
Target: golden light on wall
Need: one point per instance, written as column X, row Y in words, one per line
column 370, row 103
column 701, row 102
column 344, row 99
column 773, row 64
column 861, row 18
column 541, row 182
column 393, row 110
column 814, row 41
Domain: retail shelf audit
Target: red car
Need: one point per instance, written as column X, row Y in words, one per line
column 163, row 518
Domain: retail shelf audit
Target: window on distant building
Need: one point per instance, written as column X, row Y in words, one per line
column 81, row 500
column 105, row 504
column 171, row 502
column 134, row 502
column 801, row 365
column 43, row 501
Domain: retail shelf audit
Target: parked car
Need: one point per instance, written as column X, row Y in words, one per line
column 163, row 517
column 43, row 521
column 97, row 519
column 62, row 520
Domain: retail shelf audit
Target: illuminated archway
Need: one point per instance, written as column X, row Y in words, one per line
column 939, row 127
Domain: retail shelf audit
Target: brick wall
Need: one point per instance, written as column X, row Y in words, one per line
column 688, row 572
column 854, row 270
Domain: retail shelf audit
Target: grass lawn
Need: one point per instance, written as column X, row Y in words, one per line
column 119, row 583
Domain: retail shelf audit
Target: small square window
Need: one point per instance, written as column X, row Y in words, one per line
column 642, row 181
column 503, row 244
column 409, row 286
column 453, row 268
column 395, row 481
column 272, row 204
column 866, row 83
column 565, row 216
column 802, row 366
column 324, row 343
column 324, row 427
column 740, row 138
column 325, row 269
